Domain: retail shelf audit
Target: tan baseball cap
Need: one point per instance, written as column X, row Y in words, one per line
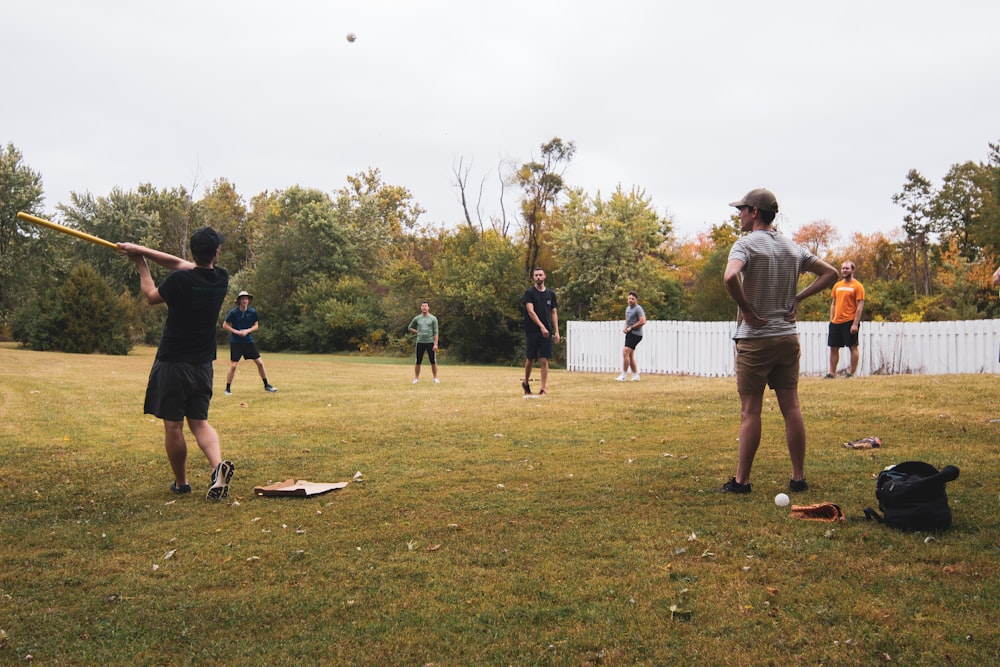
column 759, row 198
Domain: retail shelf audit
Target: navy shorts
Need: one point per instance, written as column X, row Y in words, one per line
column 245, row 350
column 177, row 390
column 537, row 346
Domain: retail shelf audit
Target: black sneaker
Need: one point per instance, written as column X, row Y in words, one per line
column 268, row 388
column 732, row 486
column 526, row 387
column 797, row 485
column 183, row 488
column 221, row 476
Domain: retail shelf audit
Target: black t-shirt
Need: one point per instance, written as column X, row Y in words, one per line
column 544, row 303
column 194, row 298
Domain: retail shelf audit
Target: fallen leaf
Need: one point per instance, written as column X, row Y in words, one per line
column 434, row 547
column 771, row 590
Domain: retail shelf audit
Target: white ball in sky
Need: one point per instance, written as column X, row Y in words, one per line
column 351, row 37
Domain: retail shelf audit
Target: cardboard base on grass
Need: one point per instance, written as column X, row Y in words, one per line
column 291, row 487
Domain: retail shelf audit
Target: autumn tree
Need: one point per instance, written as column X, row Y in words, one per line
column 917, row 198
column 818, row 236
column 541, row 182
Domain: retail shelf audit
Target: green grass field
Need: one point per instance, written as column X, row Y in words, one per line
column 486, row 529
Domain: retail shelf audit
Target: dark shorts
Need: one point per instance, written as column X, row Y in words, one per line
column 177, row 390
column 631, row 340
column 537, row 346
column 840, row 335
column 429, row 349
column 772, row 361
column 245, row 350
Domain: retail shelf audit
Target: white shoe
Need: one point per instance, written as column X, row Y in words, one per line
column 621, row 378
column 416, row 380
column 635, row 378
column 436, row 381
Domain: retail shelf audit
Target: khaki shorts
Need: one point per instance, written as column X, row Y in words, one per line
column 772, row 361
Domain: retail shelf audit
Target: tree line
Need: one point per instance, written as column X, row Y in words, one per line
column 346, row 270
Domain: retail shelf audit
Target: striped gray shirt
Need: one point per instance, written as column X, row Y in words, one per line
column 771, row 268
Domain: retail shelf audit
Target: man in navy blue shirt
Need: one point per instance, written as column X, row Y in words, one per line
column 241, row 322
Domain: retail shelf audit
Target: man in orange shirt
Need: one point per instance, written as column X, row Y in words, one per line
column 845, row 319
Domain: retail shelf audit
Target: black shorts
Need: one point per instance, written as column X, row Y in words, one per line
column 537, row 346
column 429, row 349
column 631, row 340
column 245, row 350
column 177, row 390
column 841, row 336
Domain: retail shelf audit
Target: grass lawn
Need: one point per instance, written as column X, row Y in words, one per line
column 485, row 528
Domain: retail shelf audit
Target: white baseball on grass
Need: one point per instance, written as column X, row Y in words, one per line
column 781, row 500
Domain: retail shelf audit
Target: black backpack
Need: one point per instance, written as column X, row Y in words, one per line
column 911, row 496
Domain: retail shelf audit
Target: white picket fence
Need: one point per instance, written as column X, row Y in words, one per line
column 707, row 349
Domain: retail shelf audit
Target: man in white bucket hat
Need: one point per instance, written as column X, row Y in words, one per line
column 241, row 322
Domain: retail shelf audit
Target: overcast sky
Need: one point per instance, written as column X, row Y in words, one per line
column 827, row 104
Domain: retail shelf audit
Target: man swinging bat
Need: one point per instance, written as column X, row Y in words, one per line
column 180, row 382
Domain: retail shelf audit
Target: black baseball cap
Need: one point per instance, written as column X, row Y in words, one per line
column 205, row 241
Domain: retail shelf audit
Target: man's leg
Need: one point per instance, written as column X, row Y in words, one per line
column 176, row 450
column 795, row 430
column 750, row 406
column 208, row 440
column 260, row 368
column 434, row 369
column 632, row 362
column 544, row 366
column 232, row 372
column 855, row 358
column 834, row 359
column 416, row 371
column 626, row 359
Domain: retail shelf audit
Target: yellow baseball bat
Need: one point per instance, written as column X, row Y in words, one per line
column 66, row 230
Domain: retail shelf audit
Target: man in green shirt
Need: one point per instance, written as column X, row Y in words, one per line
column 425, row 326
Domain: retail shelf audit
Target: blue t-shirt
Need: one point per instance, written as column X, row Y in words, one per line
column 240, row 320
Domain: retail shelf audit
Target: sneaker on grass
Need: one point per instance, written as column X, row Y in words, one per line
column 221, row 477
column 635, row 378
column 797, row 485
column 732, row 486
column 621, row 378
column 526, row 387
column 268, row 388
column 183, row 488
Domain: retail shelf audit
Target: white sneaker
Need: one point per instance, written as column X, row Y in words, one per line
column 436, row 381
column 621, row 378
column 635, row 378
column 416, row 380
